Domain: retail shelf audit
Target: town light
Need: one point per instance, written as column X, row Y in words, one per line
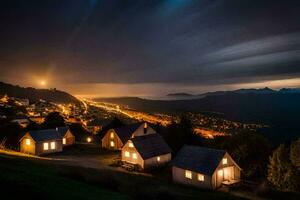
column 89, row 139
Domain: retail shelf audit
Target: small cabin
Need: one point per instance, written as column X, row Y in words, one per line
column 67, row 137
column 116, row 138
column 204, row 167
column 41, row 142
column 147, row 151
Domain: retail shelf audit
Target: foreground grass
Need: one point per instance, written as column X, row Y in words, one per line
column 27, row 179
column 33, row 179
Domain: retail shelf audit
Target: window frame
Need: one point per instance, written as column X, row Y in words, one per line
column 28, row 141
column 127, row 154
column 188, row 174
column 200, row 177
column 45, row 146
column 52, row 145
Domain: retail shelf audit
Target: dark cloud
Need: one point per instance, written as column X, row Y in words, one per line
column 162, row 41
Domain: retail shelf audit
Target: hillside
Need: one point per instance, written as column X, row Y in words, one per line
column 33, row 94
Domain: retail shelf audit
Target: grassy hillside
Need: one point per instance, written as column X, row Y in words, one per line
column 41, row 179
column 29, row 180
column 35, row 94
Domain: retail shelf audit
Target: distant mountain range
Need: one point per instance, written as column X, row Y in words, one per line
column 239, row 91
column 33, row 94
column 265, row 105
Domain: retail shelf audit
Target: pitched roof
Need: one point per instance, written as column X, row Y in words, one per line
column 126, row 132
column 198, row 159
column 44, row 135
column 151, row 145
column 62, row 130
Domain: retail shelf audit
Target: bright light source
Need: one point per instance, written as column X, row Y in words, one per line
column 89, row 139
column 27, row 142
column 64, row 141
column 43, row 83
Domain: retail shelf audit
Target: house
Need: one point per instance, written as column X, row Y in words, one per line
column 96, row 125
column 116, row 138
column 67, row 137
column 21, row 120
column 146, row 151
column 204, row 167
column 41, row 142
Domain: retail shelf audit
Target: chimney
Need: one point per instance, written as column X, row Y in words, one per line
column 145, row 127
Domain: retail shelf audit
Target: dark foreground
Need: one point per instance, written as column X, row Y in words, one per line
column 30, row 178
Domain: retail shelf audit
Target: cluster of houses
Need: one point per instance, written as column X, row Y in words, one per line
column 140, row 145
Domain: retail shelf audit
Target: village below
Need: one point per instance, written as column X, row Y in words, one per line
column 177, row 152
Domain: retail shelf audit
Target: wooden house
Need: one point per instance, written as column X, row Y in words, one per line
column 67, row 137
column 147, row 151
column 116, row 138
column 204, row 167
column 41, row 142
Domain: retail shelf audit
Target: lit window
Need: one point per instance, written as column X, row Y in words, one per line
column 158, row 159
column 200, row 177
column 64, row 141
column 52, row 145
column 188, row 174
column 88, row 139
column 220, row 172
column 112, row 143
column 46, row 146
column 112, row 135
column 130, row 144
column 145, row 125
column 134, row 156
column 224, row 161
column 127, row 154
column 27, row 141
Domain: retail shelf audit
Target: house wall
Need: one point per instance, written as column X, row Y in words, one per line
column 140, row 131
column 218, row 179
column 152, row 162
column 39, row 147
column 105, row 142
column 70, row 138
column 178, row 175
column 30, row 149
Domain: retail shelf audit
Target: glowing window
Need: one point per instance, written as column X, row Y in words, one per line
column 52, row 145
column 130, row 144
column 112, row 136
column 134, row 156
column 127, row 154
column 158, row 159
column 224, row 161
column 188, row 174
column 27, row 141
column 220, row 172
column 145, row 125
column 88, row 139
column 46, row 146
column 112, row 143
column 64, row 141
column 200, row 177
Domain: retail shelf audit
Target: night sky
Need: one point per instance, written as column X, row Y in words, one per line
column 150, row 47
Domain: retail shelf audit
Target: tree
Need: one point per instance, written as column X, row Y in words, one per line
column 54, row 120
column 178, row 134
column 281, row 173
column 295, row 153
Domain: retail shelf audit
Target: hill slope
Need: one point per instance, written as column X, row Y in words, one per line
column 35, row 94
